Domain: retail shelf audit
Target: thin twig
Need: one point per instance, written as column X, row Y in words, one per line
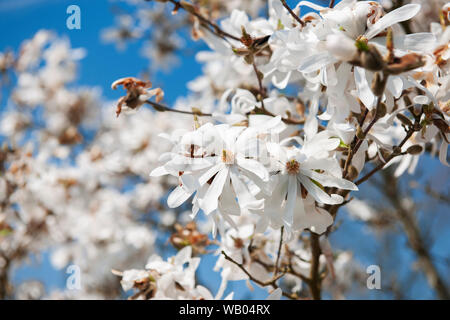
column 261, row 88
column 389, row 158
column 206, row 22
column 261, row 283
column 271, row 282
column 162, row 108
column 359, row 140
column 279, row 250
column 296, row 17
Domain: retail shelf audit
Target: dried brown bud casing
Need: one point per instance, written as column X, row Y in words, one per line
column 404, row 119
column 406, row 63
column 381, row 110
column 359, row 133
column 378, row 84
column 372, row 59
column 352, row 173
column 415, row 149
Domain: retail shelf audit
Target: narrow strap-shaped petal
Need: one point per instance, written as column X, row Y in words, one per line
column 317, row 193
column 210, row 173
column 253, row 166
column 403, row 13
column 210, row 201
column 290, row 202
column 178, row 196
column 316, row 62
column 364, row 93
column 329, row 181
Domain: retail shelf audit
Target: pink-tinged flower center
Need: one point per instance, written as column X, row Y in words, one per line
column 293, row 167
column 227, row 157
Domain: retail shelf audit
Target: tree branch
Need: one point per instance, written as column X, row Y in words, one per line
column 292, row 13
column 279, row 250
column 211, row 26
column 271, row 282
column 315, row 279
column 162, row 108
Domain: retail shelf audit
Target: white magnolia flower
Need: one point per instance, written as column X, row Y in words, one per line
column 302, row 171
column 213, row 162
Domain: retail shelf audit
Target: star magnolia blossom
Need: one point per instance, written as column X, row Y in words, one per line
column 303, row 174
column 291, row 113
column 212, row 162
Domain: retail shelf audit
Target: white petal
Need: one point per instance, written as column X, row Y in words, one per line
column 443, row 153
column 364, row 93
column 177, row 197
column 419, row 42
column 316, row 62
column 253, row 166
column 311, row 217
column 210, row 201
column 329, row 181
column 290, row 202
column 317, row 193
column 329, row 165
column 210, row 173
column 421, row 99
column 281, row 79
column 183, row 255
column 309, row 4
column 158, row 172
column 245, row 198
column 403, row 13
column 341, row 46
column 359, row 159
column 395, row 86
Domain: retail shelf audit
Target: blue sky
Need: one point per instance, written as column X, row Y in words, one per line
column 20, row 19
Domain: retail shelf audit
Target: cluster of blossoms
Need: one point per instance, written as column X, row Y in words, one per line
column 291, row 113
column 353, row 59
column 371, row 92
column 61, row 191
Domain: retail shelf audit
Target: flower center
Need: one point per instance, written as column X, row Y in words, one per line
column 362, row 43
column 293, row 167
column 227, row 157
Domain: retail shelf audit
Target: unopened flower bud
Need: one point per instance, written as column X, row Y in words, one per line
column 371, row 59
column 384, row 154
column 396, row 150
column 249, row 59
column 360, row 133
column 407, row 100
column 378, row 84
column 441, row 124
column 381, row 110
column 352, row 173
column 415, row 149
column 404, row 119
column 241, row 51
column 246, row 39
